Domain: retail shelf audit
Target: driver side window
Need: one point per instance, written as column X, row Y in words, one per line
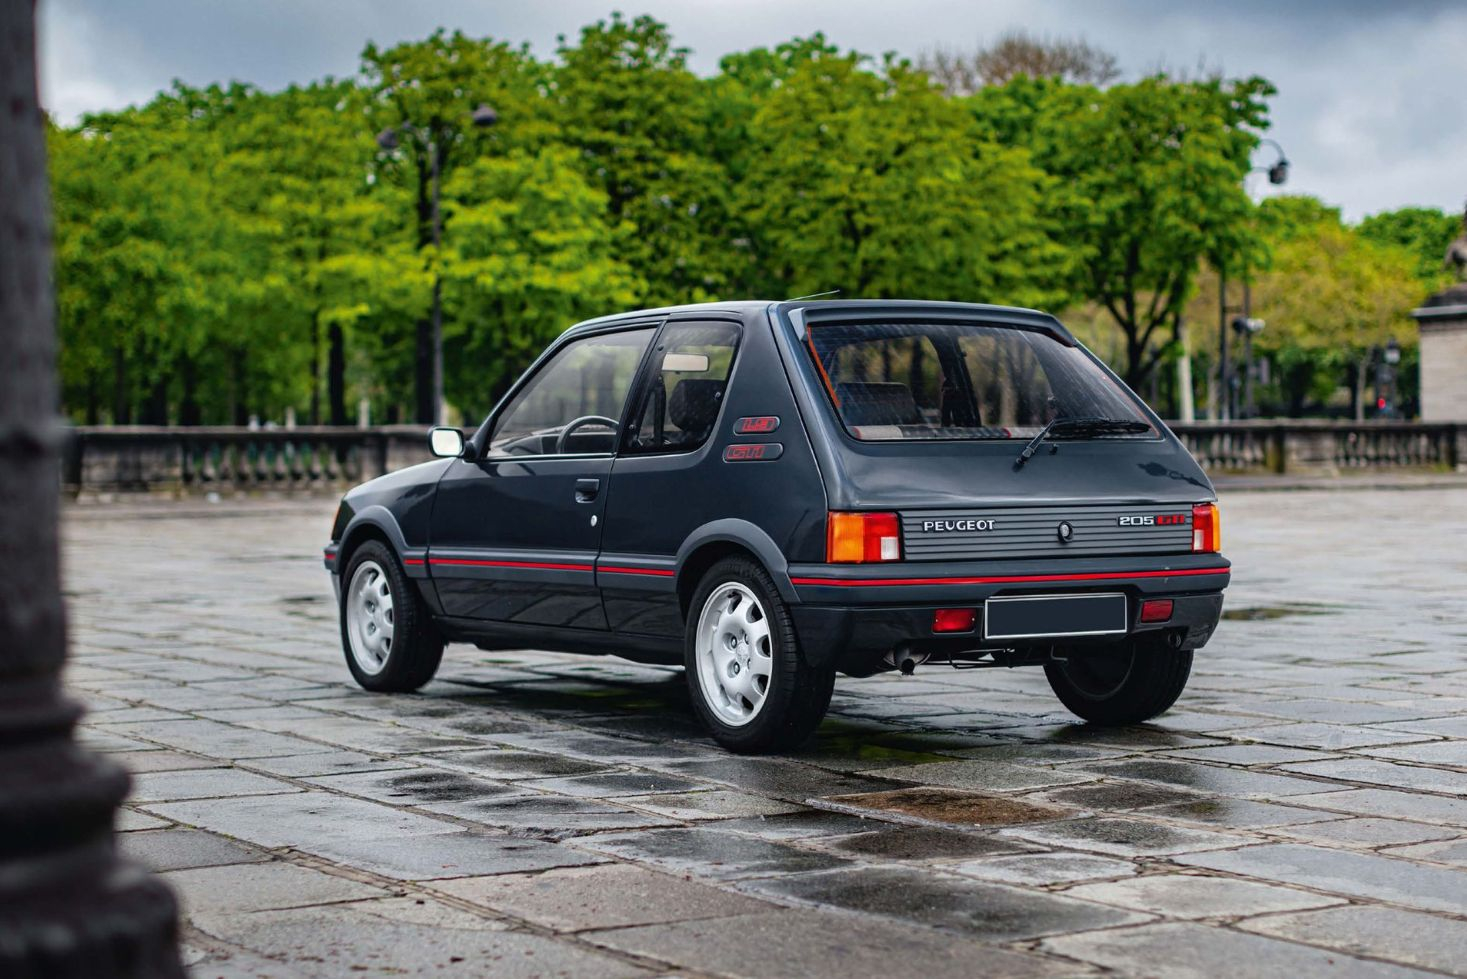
column 573, row 404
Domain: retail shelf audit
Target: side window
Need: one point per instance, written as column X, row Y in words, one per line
column 680, row 400
column 573, row 404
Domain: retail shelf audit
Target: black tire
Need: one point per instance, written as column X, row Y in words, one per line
column 1126, row 683
column 415, row 649
column 796, row 696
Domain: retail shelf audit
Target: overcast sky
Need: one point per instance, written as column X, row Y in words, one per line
column 1372, row 103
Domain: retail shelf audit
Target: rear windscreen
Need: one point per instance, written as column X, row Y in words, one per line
column 959, row 381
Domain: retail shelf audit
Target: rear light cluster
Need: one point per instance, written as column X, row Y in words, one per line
column 861, row 538
column 1206, row 529
column 954, row 619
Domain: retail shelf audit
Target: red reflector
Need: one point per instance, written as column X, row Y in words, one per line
column 954, row 619
column 1156, row 610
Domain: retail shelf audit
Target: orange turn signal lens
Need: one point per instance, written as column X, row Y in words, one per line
column 858, row 538
column 1206, row 529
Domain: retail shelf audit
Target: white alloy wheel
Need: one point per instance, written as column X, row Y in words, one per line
column 369, row 620
column 734, row 656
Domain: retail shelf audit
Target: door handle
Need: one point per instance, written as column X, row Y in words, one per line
column 586, row 490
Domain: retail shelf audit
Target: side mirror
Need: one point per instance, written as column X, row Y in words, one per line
column 446, row 443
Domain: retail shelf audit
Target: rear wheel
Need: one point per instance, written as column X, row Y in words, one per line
column 386, row 630
column 1127, row 683
column 748, row 681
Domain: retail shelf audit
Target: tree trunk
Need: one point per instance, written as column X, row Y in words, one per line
column 1357, row 395
column 68, row 906
column 336, row 375
column 121, row 399
column 189, row 412
column 316, row 367
column 423, row 373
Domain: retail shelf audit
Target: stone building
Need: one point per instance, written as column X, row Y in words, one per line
column 1443, row 322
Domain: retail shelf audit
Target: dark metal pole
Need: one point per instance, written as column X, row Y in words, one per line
column 437, row 294
column 68, row 906
column 1224, row 386
column 1247, row 411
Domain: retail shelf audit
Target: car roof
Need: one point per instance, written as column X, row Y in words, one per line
column 820, row 308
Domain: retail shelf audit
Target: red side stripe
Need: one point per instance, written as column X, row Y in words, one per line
column 543, row 565
column 412, row 560
column 654, row 572
column 1003, row 579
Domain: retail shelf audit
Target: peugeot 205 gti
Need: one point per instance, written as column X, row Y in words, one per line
column 772, row 493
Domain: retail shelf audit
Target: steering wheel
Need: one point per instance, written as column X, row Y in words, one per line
column 581, row 422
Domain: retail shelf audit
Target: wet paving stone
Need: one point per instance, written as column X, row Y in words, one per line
column 1186, row 896
column 1371, row 832
column 942, row 805
column 613, row 784
column 509, row 764
column 177, row 849
column 204, row 783
column 1392, row 804
column 1359, row 875
column 263, row 887
column 1409, row 937
column 1190, row 951
column 423, row 787
column 804, row 824
column 1120, row 795
column 709, row 853
column 1239, row 813
column 1044, row 869
column 1387, row 774
column 551, row 817
column 988, row 776
column 1250, row 754
column 813, row 943
column 923, row 843
column 462, row 854
column 708, row 804
column 1450, row 852
column 780, row 778
column 603, row 896
column 1210, row 779
column 1330, row 737
column 1124, row 837
column 990, row 912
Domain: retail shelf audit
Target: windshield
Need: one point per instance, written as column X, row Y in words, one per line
column 894, row 381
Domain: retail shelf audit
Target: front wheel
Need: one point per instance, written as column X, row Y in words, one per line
column 749, row 684
column 386, row 630
column 1127, row 683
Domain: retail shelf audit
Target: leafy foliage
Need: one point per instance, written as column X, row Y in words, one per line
column 226, row 253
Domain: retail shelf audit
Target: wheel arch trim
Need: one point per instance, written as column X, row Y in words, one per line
column 740, row 533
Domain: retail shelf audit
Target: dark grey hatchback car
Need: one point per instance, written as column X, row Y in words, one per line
column 771, row 493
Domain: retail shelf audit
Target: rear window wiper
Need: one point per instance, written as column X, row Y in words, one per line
column 1084, row 427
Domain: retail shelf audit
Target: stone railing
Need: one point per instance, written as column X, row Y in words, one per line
column 232, row 460
column 1323, row 447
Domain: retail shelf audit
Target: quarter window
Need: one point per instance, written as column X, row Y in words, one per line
column 574, row 403
column 680, row 401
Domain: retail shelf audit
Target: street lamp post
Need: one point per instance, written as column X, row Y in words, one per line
column 1278, row 174
column 69, row 905
column 483, row 117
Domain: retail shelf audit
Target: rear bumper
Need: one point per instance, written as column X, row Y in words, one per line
column 852, row 618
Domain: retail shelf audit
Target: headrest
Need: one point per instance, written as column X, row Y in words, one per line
column 693, row 404
column 877, row 403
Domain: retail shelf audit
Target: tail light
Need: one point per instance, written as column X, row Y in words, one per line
column 1206, row 529
column 858, row 538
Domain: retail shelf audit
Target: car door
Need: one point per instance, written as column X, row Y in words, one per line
column 515, row 530
column 658, row 498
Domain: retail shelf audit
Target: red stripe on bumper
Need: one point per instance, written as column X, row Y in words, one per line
column 1004, row 579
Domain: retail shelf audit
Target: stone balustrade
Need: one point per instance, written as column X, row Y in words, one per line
column 186, row 461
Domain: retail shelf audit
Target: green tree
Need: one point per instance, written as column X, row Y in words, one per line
column 873, row 183
column 1149, row 183
column 1425, row 232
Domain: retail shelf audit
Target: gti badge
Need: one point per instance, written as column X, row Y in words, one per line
column 1064, row 531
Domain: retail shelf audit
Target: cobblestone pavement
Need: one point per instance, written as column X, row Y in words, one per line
column 1303, row 811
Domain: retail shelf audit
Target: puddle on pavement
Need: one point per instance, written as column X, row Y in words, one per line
column 952, row 806
column 304, row 600
column 1261, row 613
column 442, row 787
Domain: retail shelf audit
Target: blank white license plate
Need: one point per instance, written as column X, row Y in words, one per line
column 1054, row 616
